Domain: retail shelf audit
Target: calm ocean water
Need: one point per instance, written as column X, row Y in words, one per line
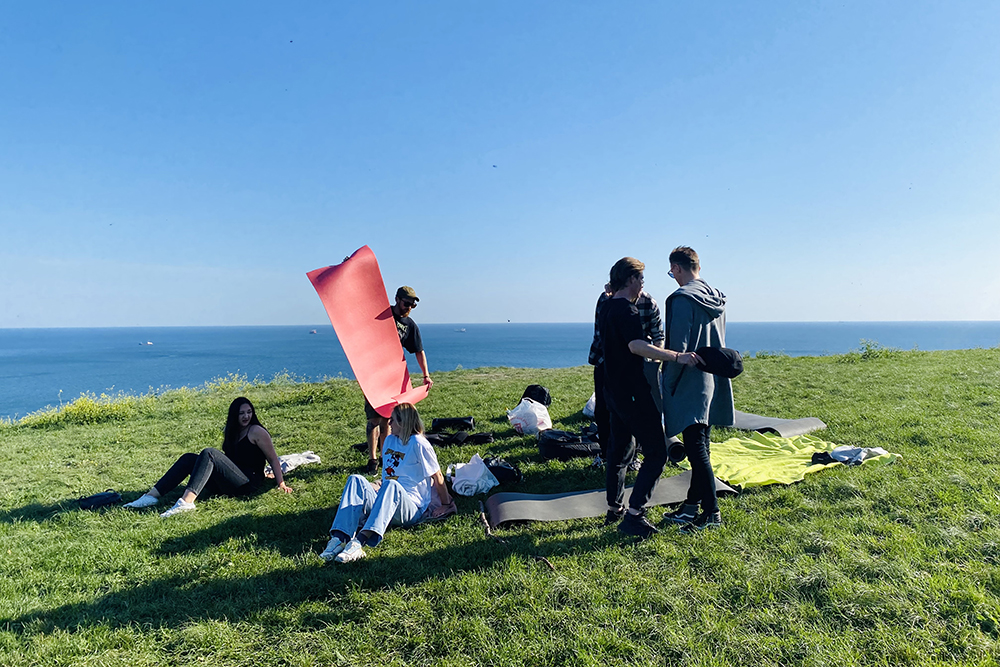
column 41, row 367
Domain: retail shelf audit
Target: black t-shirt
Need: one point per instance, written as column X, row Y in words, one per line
column 409, row 334
column 623, row 371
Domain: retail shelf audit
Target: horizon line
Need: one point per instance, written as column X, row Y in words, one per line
column 465, row 324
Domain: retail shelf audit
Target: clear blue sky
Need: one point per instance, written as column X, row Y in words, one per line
column 186, row 163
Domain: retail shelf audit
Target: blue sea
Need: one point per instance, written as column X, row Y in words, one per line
column 44, row 367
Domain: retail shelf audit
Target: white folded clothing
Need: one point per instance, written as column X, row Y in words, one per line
column 291, row 462
column 468, row 479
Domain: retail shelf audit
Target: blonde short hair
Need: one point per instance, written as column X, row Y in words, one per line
column 409, row 421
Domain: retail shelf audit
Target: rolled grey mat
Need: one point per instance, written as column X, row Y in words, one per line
column 786, row 428
column 504, row 507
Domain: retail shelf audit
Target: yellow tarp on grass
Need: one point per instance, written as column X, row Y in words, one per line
column 761, row 459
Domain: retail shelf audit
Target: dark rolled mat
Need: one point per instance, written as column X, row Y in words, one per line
column 506, row 506
column 786, row 428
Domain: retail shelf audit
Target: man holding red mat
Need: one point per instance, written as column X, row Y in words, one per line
column 409, row 338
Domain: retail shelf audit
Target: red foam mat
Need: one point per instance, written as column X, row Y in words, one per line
column 355, row 300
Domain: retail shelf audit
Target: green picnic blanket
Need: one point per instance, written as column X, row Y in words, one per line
column 760, row 459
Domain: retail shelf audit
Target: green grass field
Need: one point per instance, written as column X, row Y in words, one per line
column 884, row 565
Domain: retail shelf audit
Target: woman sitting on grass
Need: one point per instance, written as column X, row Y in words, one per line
column 235, row 471
column 410, row 471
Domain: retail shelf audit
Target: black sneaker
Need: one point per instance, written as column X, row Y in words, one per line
column 372, row 466
column 637, row 525
column 613, row 516
column 682, row 515
column 703, row 521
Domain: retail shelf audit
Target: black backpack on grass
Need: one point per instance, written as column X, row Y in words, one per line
column 503, row 470
column 538, row 394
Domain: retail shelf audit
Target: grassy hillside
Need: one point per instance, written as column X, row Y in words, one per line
column 876, row 566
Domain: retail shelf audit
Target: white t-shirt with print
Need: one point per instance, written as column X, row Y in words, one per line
column 411, row 465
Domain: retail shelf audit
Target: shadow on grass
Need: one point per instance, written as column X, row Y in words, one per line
column 39, row 512
column 176, row 601
column 289, row 535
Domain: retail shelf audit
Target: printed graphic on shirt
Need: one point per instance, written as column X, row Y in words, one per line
column 401, row 329
column 391, row 461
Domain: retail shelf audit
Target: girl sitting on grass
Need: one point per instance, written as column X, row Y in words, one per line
column 235, row 471
column 410, row 472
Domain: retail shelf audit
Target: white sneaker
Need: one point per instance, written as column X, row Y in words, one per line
column 143, row 501
column 352, row 551
column 333, row 547
column 179, row 506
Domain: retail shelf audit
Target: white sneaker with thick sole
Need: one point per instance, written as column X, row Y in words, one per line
column 179, row 506
column 352, row 551
column 333, row 547
column 142, row 502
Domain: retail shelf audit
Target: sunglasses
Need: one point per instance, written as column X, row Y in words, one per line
column 408, row 304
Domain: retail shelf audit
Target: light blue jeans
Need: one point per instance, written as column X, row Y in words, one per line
column 361, row 508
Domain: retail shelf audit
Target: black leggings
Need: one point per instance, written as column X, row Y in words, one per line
column 702, row 489
column 211, row 469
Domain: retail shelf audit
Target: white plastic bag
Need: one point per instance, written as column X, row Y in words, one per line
column 468, row 479
column 529, row 417
column 588, row 409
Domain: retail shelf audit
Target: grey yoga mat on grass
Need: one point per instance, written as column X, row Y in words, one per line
column 504, row 507
column 786, row 428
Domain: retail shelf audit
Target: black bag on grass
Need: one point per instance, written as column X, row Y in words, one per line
column 456, row 423
column 563, row 445
column 102, row 499
column 503, row 470
column 459, row 438
column 538, row 394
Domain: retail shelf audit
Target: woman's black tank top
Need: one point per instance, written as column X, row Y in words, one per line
column 248, row 458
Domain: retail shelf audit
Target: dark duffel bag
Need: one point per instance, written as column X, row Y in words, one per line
column 102, row 499
column 563, row 445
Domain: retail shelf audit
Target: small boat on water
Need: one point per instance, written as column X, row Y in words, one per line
column 460, row 330
column 313, row 331
column 148, row 342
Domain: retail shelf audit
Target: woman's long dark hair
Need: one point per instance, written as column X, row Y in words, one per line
column 232, row 433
